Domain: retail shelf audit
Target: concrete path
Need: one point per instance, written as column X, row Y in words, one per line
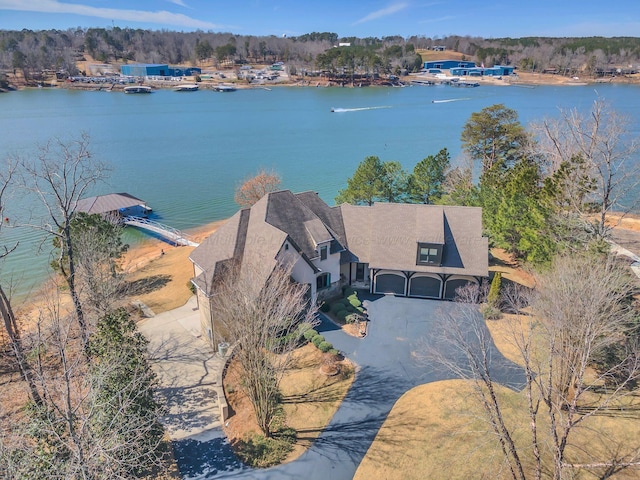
column 187, row 371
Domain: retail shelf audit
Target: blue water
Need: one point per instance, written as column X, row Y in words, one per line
column 184, row 153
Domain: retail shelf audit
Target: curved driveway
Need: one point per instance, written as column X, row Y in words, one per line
column 386, row 369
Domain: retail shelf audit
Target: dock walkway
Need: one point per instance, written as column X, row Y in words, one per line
column 173, row 235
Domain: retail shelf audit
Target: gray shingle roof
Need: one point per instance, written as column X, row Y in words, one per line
column 385, row 235
column 108, row 203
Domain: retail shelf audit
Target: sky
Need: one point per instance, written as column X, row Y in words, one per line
column 359, row 18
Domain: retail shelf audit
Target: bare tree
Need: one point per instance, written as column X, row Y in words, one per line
column 261, row 314
column 6, row 309
column 597, row 146
column 60, row 175
column 98, row 420
column 254, row 188
column 580, row 306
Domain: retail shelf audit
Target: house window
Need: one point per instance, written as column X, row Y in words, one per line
column 323, row 281
column 323, row 253
column 429, row 254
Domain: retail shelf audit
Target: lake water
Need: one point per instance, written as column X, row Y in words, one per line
column 184, row 153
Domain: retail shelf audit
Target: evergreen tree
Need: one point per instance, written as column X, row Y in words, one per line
column 492, row 135
column 365, row 185
column 427, row 182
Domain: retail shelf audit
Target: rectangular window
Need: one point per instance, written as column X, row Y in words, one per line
column 429, row 254
column 323, row 253
column 323, row 281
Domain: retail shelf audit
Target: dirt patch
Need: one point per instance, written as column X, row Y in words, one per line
column 504, row 262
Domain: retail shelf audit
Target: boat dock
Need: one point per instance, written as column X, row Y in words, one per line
column 129, row 210
column 175, row 236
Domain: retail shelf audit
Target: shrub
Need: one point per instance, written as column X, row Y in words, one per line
column 333, row 351
column 347, row 290
column 353, row 300
column 309, row 334
column 353, row 318
column 360, row 310
column 351, row 308
column 325, row 307
column 317, row 340
column 342, row 315
column 324, row 347
column 493, row 299
column 336, row 307
column 490, row 313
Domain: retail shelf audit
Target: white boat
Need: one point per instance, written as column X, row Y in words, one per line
column 137, row 89
column 188, row 87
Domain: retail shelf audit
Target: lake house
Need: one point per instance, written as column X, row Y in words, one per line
column 414, row 250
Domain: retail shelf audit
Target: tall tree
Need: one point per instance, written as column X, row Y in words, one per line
column 254, row 188
column 582, row 305
column 59, row 176
column 375, row 180
column 6, row 310
column 494, row 134
column 366, row 183
column 98, row 246
column 261, row 318
column 427, row 182
column 597, row 147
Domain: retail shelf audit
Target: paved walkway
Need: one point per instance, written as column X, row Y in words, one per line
column 187, row 371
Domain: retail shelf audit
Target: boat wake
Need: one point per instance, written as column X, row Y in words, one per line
column 449, row 100
column 344, row 110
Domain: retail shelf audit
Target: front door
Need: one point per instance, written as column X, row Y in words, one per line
column 359, row 272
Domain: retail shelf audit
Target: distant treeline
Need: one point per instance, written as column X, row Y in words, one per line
column 32, row 52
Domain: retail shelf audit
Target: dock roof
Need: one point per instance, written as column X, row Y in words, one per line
column 108, row 203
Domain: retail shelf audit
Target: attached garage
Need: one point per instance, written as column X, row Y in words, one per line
column 390, row 283
column 452, row 285
column 424, row 286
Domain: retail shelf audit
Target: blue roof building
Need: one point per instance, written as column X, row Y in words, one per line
column 158, row 70
column 448, row 64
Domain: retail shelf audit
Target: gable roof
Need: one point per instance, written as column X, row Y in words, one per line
column 386, row 236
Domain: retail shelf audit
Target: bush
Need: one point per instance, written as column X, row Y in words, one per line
column 350, row 308
column 493, row 299
column 353, row 318
column 336, row 307
column 317, row 340
column 325, row 307
column 353, row 300
column 333, row 351
column 490, row 313
column 347, row 290
column 342, row 315
column 324, row 347
column 309, row 334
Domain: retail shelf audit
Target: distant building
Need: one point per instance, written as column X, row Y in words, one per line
column 495, row 71
column 344, row 44
column 438, row 48
column 448, row 64
column 158, row 70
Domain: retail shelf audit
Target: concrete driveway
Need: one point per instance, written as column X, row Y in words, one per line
column 387, row 368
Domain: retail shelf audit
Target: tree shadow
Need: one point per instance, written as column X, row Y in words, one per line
column 147, row 284
column 206, row 459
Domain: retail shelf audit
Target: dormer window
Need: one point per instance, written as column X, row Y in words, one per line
column 323, row 252
column 429, row 254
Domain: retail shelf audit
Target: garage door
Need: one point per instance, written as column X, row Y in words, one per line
column 390, row 283
column 425, row 287
column 451, row 286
